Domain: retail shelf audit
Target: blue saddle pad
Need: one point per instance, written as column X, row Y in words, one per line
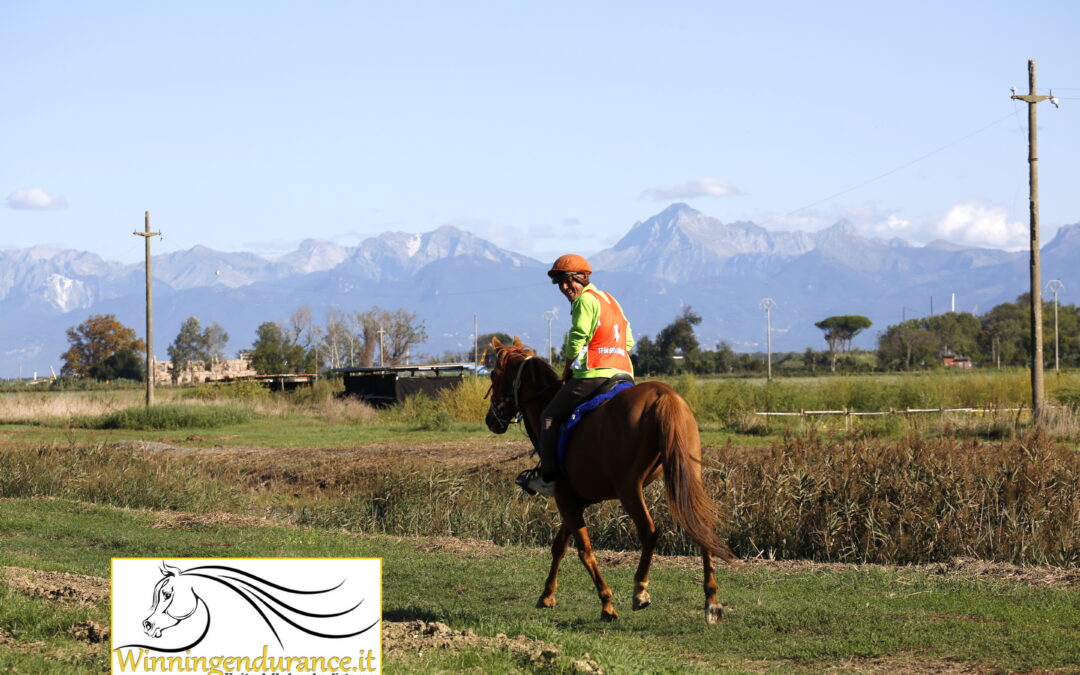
column 579, row 412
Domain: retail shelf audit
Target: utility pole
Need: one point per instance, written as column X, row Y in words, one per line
column 149, row 315
column 1055, row 286
column 475, row 342
column 767, row 304
column 381, row 351
column 550, row 315
column 1038, row 392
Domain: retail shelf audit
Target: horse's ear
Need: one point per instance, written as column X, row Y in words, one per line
column 518, row 343
column 168, row 571
column 495, row 342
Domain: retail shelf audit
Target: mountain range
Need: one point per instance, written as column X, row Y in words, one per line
column 679, row 257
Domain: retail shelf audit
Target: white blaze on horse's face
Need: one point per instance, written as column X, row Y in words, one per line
column 174, row 601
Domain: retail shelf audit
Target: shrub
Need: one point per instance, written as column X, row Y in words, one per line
column 241, row 390
column 168, row 417
column 321, row 391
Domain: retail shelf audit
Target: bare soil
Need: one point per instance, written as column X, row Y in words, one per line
column 308, row 471
column 62, row 586
column 415, row 637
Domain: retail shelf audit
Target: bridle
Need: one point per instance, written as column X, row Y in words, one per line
column 496, row 386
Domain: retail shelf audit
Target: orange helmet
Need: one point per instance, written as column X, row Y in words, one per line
column 569, row 265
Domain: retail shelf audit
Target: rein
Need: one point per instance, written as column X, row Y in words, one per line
column 496, row 386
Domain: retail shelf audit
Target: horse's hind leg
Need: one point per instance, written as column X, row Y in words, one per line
column 714, row 611
column 639, row 513
column 585, row 552
column 558, row 550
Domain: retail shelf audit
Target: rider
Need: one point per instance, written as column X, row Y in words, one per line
column 597, row 347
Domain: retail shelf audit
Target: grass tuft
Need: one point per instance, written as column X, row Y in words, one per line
column 170, row 417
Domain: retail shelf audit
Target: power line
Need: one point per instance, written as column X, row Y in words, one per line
column 905, row 165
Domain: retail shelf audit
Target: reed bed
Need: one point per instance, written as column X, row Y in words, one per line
column 846, row 498
column 729, row 401
column 860, row 499
column 118, row 475
column 50, row 408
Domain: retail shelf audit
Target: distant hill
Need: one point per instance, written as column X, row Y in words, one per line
column 676, row 258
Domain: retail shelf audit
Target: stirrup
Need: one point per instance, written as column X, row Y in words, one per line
column 525, row 476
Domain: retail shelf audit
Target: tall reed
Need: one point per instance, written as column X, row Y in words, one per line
column 841, row 498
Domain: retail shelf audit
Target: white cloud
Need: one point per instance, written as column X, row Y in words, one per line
column 890, row 225
column 980, row 225
column 968, row 224
column 699, row 187
column 35, row 199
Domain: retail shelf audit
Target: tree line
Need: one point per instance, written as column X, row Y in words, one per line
column 345, row 339
column 103, row 348
column 998, row 338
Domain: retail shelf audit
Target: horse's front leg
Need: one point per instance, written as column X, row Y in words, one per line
column 558, row 550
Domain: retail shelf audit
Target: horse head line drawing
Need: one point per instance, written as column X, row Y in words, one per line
column 175, row 600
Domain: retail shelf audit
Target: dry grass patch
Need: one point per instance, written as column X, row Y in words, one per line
column 54, row 408
column 413, row 636
column 175, row 520
column 63, row 586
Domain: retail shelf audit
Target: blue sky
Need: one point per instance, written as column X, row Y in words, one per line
column 544, row 127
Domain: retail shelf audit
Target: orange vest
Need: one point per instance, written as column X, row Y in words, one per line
column 607, row 347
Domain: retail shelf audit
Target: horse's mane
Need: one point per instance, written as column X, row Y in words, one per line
column 537, row 368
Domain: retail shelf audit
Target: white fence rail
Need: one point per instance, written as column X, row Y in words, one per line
column 850, row 415
column 890, row 411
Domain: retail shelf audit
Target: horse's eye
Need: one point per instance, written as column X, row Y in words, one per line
column 166, row 595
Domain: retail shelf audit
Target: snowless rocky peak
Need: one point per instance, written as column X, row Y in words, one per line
column 417, row 250
column 315, row 256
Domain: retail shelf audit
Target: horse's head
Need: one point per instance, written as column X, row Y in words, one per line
column 505, row 382
column 174, row 601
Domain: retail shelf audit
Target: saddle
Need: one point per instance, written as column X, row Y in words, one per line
column 608, row 390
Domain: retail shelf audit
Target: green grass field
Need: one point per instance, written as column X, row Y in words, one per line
column 786, row 619
column 85, row 476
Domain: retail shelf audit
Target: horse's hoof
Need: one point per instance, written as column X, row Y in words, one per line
column 713, row 613
column 642, row 601
column 611, row 615
column 545, row 602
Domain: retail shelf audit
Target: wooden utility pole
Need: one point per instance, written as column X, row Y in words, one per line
column 149, row 315
column 1038, row 392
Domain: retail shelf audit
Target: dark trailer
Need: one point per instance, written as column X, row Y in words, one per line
column 386, row 385
column 278, row 382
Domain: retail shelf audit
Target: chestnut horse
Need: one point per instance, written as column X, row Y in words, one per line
column 614, row 452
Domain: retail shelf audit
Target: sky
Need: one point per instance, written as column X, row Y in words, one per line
column 543, row 127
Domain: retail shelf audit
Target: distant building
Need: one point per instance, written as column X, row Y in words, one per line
column 199, row 372
column 951, row 360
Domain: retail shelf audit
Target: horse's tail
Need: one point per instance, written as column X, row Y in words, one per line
column 681, row 457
